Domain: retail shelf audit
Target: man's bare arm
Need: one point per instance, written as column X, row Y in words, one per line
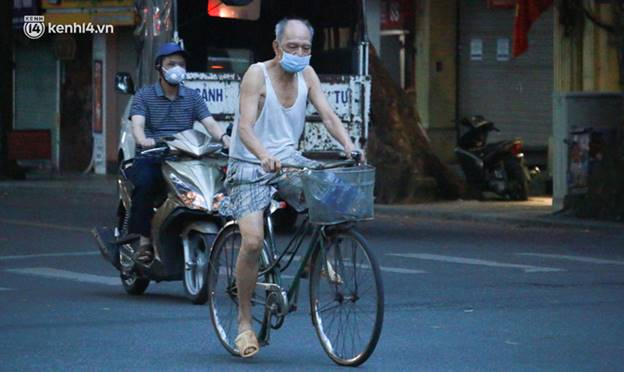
column 215, row 130
column 250, row 90
column 138, row 132
column 330, row 120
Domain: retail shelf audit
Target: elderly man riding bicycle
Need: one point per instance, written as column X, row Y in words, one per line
column 273, row 100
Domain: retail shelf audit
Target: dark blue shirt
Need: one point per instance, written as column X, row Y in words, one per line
column 164, row 117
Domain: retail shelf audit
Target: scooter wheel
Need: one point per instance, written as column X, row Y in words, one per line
column 134, row 286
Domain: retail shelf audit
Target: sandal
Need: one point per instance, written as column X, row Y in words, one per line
column 330, row 273
column 247, row 344
column 144, row 254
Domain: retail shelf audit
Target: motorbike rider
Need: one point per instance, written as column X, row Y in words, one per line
column 158, row 110
column 273, row 100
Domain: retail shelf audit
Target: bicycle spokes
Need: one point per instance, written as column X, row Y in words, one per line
column 347, row 299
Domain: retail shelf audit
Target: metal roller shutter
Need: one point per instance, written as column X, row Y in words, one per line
column 37, row 88
column 515, row 94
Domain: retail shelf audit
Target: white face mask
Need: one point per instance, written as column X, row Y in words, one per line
column 174, row 75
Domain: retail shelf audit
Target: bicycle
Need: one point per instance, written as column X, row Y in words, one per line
column 337, row 261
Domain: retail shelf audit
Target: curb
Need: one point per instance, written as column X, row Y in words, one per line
column 543, row 221
column 546, row 220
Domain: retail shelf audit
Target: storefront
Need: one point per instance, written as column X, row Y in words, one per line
column 54, row 78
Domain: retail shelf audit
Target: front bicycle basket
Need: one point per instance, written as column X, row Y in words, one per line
column 290, row 189
column 339, row 195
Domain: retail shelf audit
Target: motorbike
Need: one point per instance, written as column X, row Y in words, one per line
column 498, row 167
column 185, row 222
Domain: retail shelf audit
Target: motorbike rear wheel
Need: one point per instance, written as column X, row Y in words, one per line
column 133, row 284
column 518, row 182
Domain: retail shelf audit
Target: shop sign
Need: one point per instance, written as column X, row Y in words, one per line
column 99, row 145
column 476, row 50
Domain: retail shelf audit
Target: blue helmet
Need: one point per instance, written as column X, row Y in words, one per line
column 168, row 49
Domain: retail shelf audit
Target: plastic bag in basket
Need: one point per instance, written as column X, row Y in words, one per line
column 338, row 196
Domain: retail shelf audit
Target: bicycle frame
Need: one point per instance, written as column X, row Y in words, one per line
column 271, row 264
column 270, row 261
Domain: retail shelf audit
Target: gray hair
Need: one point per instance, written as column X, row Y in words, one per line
column 281, row 25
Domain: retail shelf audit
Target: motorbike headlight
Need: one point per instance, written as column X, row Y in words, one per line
column 217, row 201
column 221, row 203
column 191, row 197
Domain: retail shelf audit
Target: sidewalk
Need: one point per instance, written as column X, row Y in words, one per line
column 535, row 212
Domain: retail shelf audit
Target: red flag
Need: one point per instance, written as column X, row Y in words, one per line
column 527, row 11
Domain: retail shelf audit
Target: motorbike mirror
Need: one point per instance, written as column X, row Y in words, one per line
column 124, row 83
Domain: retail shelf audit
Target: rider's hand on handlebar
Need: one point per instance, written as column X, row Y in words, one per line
column 147, row 143
column 226, row 141
column 270, row 164
column 352, row 153
column 362, row 157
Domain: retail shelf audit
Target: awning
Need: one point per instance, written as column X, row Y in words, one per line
column 112, row 12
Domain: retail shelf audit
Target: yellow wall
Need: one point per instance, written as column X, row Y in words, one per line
column 587, row 59
column 436, row 72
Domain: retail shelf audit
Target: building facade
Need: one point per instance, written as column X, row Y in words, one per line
column 63, row 77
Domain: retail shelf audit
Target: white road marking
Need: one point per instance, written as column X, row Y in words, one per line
column 40, row 255
column 473, row 261
column 44, row 225
column 396, row 270
column 399, row 270
column 5, row 289
column 48, row 272
column 598, row 261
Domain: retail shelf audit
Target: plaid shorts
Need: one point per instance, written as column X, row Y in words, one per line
column 248, row 188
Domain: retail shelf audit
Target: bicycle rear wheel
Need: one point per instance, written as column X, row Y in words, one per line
column 347, row 298
column 222, row 291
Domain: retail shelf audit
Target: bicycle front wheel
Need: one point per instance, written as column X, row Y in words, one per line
column 347, row 298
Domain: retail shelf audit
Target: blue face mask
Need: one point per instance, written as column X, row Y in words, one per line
column 293, row 63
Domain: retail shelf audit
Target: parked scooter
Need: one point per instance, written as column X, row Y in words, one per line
column 185, row 222
column 497, row 167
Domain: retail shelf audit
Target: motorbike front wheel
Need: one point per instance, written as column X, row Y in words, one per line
column 133, row 285
column 196, row 252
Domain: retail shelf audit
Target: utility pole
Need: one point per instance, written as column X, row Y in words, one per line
column 6, row 82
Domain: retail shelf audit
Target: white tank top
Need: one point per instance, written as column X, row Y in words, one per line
column 278, row 128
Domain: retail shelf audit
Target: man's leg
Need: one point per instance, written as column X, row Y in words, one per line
column 147, row 181
column 252, row 231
